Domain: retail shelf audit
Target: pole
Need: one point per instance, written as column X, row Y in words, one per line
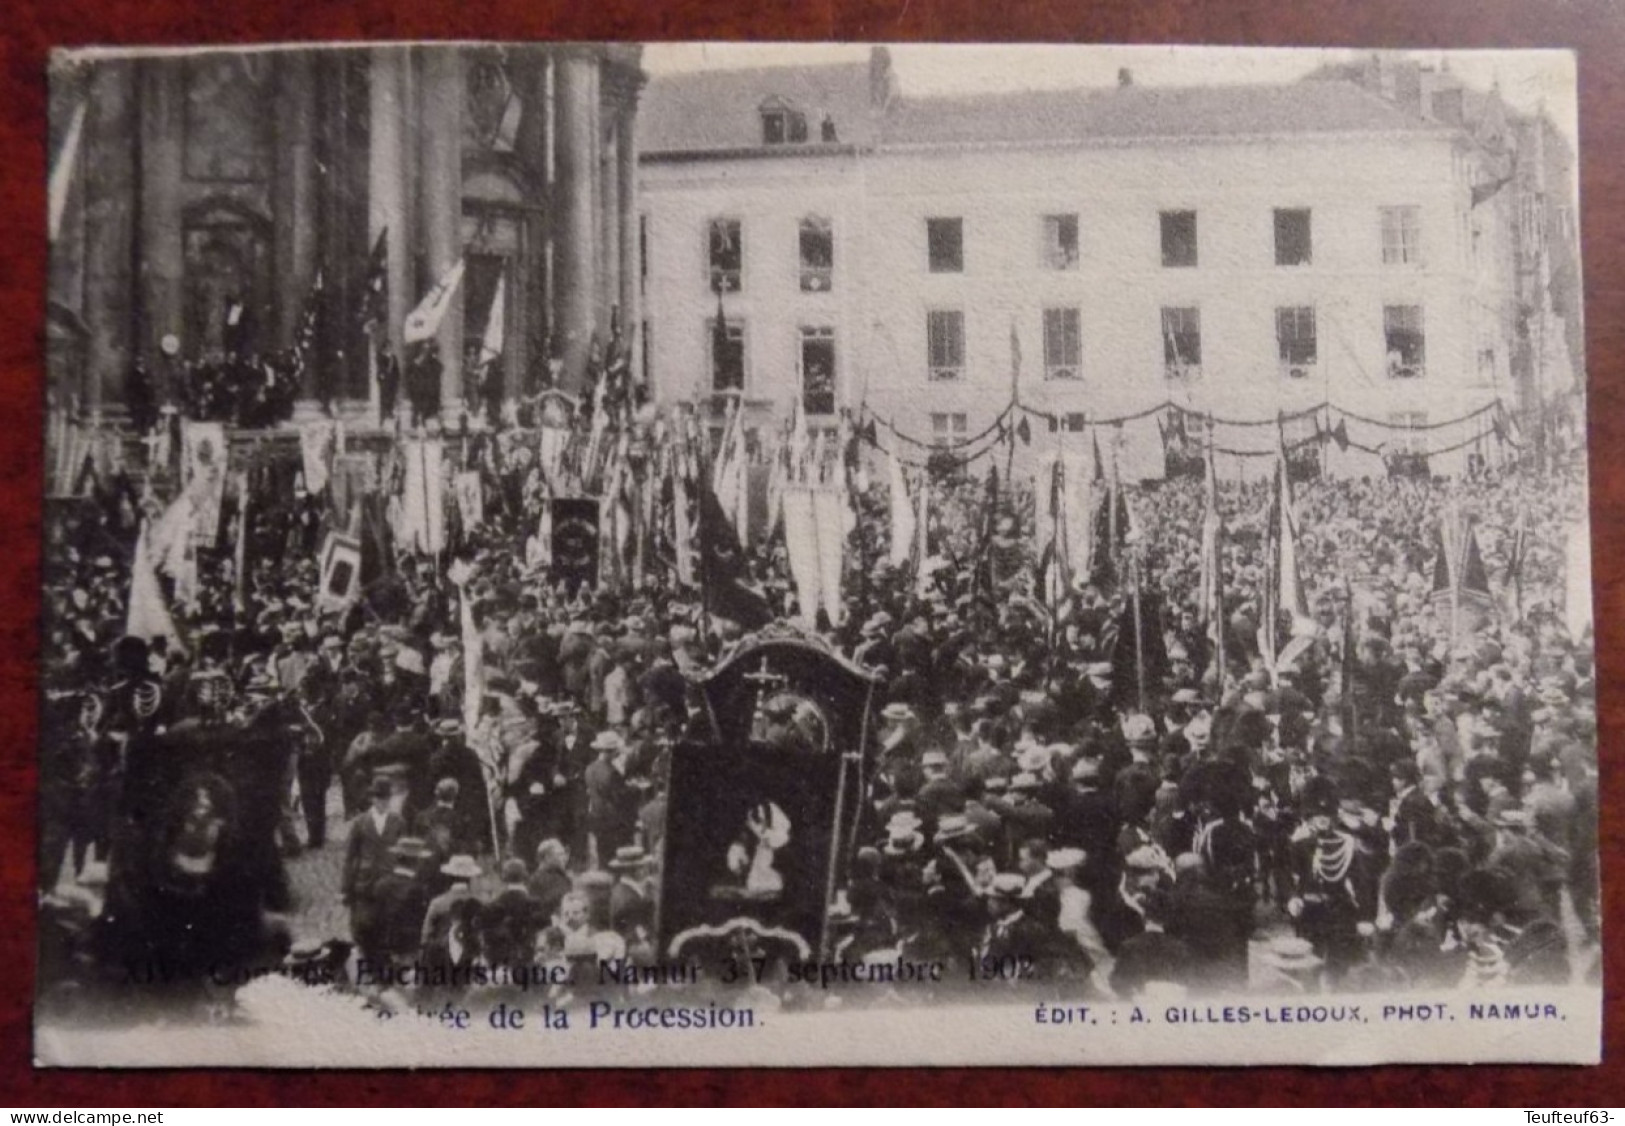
column 1139, row 650
column 239, row 592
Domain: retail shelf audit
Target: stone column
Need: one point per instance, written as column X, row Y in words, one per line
column 609, row 223
column 160, row 253
column 441, row 125
column 294, row 194
column 534, row 149
column 109, row 169
column 575, row 265
column 388, row 174
column 626, row 159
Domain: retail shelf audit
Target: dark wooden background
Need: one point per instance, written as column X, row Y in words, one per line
column 29, row 28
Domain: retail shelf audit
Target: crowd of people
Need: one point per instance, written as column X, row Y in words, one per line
column 1417, row 813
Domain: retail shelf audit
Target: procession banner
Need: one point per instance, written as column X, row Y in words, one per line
column 575, row 540
column 205, row 454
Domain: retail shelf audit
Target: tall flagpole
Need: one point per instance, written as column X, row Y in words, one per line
column 1139, row 627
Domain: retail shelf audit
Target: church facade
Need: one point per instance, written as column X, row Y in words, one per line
column 215, row 197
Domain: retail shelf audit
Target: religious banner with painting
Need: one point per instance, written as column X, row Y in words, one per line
column 757, row 817
column 575, row 539
column 196, row 869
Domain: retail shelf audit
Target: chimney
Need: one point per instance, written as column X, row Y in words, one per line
column 1125, row 77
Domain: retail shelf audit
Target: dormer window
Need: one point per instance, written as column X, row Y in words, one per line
column 782, row 123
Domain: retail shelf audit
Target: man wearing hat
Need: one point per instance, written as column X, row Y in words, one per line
column 1535, row 867
column 1011, row 936
column 400, row 901
column 1507, row 946
column 1334, row 882
column 462, row 870
column 611, row 800
column 631, row 899
column 367, row 856
column 939, row 794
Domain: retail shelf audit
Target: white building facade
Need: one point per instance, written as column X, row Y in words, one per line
column 1244, row 253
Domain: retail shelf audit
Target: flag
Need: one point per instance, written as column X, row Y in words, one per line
column 1112, row 524
column 830, row 514
column 1517, row 552
column 722, row 569
column 62, row 171
column 495, row 325
column 903, row 527
column 1283, row 589
column 728, row 473
column 984, row 576
column 1461, row 587
column 1054, row 574
column 473, row 657
column 1485, row 191
column 340, row 571
column 1139, row 655
column 1015, row 363
column 148, row 614
column 375, row 288
column 423, row 322
column 922, row 535
column 307, row 333
column 1211, row 579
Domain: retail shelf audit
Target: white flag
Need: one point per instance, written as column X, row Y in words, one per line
column 496, row 324
column 801, row 545
column 423, row 322
column 902, row 516
column 829, row 512
column 148, row 616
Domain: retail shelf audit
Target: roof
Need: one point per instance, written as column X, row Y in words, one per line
column 719, row 110
column 1145, row 112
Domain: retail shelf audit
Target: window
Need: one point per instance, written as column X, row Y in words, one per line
column 818, row 370
column 1486, row 365
column 783, row 126
column 1070, row 423
column 727, row 355
column 1061, row 242
column 1401, row 236
column 1295, row 342
column 1405, row 343
column 1182, row 342
column 648, row 353
column 945, row 245
column 1409, row 438
column 1063, row 344
column 946, row 428
column 945, row 343
column 1179, row 238
column 1292, row 237
column 726, row 255
column 817, row 249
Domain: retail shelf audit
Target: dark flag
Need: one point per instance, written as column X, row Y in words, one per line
column 984, row 584
column 575, row 540
column 722, row 569
column 1461, row 585
column 1111, row 532
column 307, row 337
column 1142, row 661
column 375, row 290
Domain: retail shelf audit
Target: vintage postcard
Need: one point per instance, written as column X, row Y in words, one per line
column 707, row 554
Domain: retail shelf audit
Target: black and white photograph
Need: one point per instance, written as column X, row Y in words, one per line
column 614, row 554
